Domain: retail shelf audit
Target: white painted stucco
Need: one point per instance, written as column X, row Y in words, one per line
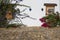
column 36, row 12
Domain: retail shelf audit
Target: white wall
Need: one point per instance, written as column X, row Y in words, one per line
column 36, row 12
column 59, row 6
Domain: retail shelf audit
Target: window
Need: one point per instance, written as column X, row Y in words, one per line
column 50, row 10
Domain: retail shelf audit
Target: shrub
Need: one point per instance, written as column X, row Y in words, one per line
column 8, row 12
column 51, row 20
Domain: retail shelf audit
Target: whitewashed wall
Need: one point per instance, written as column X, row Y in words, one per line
column 36, row 12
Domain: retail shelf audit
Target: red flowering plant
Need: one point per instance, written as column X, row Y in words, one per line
column 51, row 20
column 43, row 20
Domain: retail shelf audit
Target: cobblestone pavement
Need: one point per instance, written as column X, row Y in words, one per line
column 30, row 33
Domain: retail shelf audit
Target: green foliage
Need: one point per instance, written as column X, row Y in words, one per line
column 3, row 23
column 3, row 9
column 6, row 6
column 53, row 19
column 4, row 1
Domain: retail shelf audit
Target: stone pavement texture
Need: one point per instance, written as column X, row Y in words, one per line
column 30, row 33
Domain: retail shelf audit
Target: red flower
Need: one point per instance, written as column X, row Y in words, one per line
column 45, row 25
column 42, row 20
